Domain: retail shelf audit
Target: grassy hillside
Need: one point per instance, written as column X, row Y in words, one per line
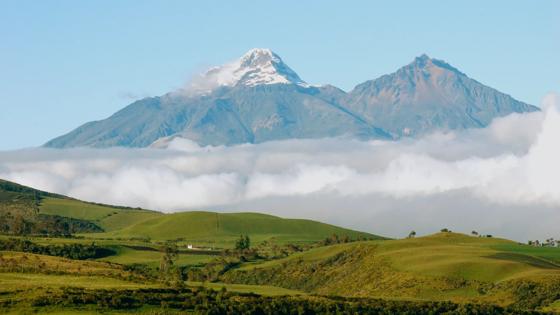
column 222, row 229
column 30, row 271
column 438, row 267
column 20, row 213
column 35, row 205
column 135, row 235
column 107, row 217
column 32, row 284
column 415, row 276
column 201, row 228
column 36, row 284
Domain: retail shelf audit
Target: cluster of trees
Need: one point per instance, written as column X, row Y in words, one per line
column 212, row 271
column 18, row 223
column 206, row 301
column 476, row 234
column 19, row 214
column 531, row 294
column 16, row 188
column 170, row 273
column 549, row 242
column 175, row 276
column 274, row 251
column 336, row 239
column 412, row 234
column 244, row 242
column 71, row 251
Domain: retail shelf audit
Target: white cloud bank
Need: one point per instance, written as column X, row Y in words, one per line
column 504, row 178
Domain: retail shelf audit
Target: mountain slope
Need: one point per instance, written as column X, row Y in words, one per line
column 259, row 98
column 427, row 95
column 255, row 99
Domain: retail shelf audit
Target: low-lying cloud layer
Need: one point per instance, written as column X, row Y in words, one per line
column 503, row 178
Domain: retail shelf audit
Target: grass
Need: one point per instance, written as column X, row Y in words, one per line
column 32, row 263
column 202, row 229
column 223, row 229
column 127, row 252
column 75, row 209
column 443, row 266
column 41, row 271
column 549, row 253
column 108, row 218
column 26, row 281
column 465, row 257
column 312, row 255
column 438, row 267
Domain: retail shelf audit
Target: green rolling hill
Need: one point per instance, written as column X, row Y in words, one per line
column 109, row 218
column 203, row 228
column 433, row 270
column 226, row 227
column 20, row 213
column 444, row 266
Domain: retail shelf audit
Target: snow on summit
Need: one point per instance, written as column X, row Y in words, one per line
column 256, row 67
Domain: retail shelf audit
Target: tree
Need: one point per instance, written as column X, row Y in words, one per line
column 19, row 225
column 170, row 253
column 247, row 242
column 474, row 233
column 445, row 230
column 334, row 239
column 244, row 242
column 412, row 234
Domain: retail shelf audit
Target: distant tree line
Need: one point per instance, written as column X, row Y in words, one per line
column 549, row 242
column 71, row 251
column 412, row 234
column 337, row 239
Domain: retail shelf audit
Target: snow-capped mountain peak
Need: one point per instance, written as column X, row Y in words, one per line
column 259, row 57
column 424, row 96
column 256, row 67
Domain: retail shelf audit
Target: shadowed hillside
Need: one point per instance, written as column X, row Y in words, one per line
column 20, row 213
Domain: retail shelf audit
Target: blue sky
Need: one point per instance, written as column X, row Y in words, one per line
column 63, row 63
